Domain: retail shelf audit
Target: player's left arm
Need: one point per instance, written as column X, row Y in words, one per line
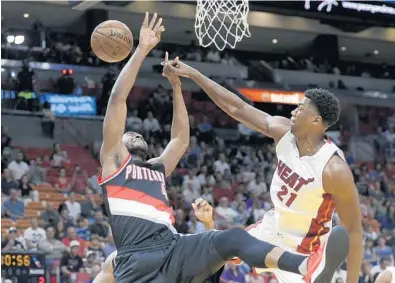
column 339, row 182
column 179, row 140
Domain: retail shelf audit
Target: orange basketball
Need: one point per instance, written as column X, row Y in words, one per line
column 112, row 41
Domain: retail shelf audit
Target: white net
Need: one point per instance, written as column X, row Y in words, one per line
column 221, row 22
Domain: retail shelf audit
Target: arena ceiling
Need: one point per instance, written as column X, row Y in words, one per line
column 292, row 33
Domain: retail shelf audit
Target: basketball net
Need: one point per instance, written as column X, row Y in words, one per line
column 221, row 22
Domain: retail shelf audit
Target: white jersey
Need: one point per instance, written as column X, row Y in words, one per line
column 303, row 211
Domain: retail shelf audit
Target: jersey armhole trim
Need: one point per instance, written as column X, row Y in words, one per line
column 102, row 180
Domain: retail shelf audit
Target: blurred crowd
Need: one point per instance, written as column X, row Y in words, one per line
column 234, row 177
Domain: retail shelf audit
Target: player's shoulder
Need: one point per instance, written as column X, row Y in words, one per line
column 337, row 174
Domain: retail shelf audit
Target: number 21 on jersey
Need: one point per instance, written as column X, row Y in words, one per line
column 285, row 197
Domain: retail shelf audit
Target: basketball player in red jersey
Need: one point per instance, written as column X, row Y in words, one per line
column 148, row 247
column 312, row 177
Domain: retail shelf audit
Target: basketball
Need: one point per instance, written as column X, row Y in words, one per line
column 112, row 41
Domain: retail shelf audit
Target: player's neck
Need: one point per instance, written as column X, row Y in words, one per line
column 309, row 145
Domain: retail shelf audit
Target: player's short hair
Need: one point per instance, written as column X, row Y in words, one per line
column 327, row 104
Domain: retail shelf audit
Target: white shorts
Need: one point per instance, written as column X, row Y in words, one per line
column 266, row 231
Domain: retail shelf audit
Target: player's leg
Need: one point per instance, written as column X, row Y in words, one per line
column 238, row 243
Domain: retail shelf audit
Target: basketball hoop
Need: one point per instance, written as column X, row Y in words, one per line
column 221, row 22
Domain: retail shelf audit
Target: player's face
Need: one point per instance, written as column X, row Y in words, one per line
column 134, row 141
column 304, row 117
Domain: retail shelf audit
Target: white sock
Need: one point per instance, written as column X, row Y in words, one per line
column 303, row 267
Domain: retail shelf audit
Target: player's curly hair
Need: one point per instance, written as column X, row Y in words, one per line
column 326, row 103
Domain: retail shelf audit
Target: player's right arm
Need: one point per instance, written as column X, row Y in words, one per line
column 271, row 126
column 115, row 118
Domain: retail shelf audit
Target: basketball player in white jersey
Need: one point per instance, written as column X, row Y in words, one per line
column 312, row 178
column 387, row 276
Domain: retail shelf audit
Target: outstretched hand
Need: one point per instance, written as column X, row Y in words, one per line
column 167, row 73
column 150, row 33
column 203, row 210
column 179, row 68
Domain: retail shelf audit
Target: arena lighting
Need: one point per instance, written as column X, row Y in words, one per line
column 274, row 41
column 272, row 96
column 70, row 72
column 343, row 48
column 19, row 39
column 10, row 39
column 26, row 15
column 64, row 72
column 376, row 52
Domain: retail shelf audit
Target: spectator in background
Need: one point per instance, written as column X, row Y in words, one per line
column 65, row 83
column 151, row 124
column 232, row 273
column 11, row 243
column 59, row 157
column 18, row 167
column 79, row 180
column 99, row 227
column 257, row 186
column 50, row 215
column 48, row 121
column 90, row 261
column 206, row 130
column 134, row 123
column 13, row 207
column 88, row 206
column 161, row 95
column 65, row 217
column 83, row 229
column 73, row 206
column 27, row 188
column 7, row 182
column 71, row 263
column 72, row 238
column 96, row 247
column 62, row 183
column 34, row 234
column 52, row 247
column 384, row 251
column 221, row 165
column 226, row 213
column 37, row 173
column 92, row 182
column 25, row 78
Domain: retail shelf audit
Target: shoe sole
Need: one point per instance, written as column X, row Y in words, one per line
column 336, row 251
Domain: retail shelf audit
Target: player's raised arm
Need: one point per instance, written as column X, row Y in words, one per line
column 115, row 118
column 338, row 181
column 271, row 126
column 179, row 140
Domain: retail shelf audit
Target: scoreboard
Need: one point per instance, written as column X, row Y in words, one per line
column 25, row 267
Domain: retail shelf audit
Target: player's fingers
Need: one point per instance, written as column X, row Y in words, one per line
column 194, row 206
column 158, row 25
column 166, row 57
column 145, row 21
column 153, row 20
column 198, row 200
